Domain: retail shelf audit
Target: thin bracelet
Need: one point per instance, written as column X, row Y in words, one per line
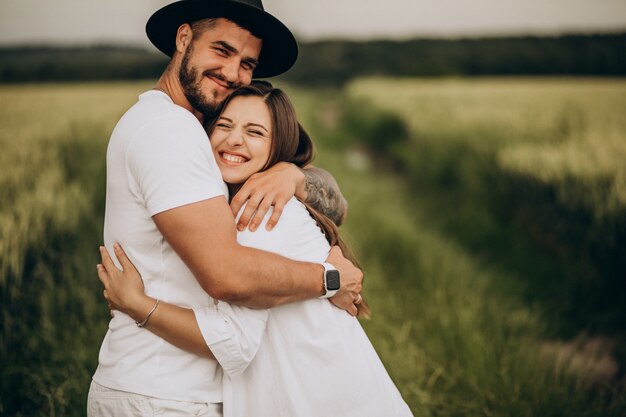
column 143, row 323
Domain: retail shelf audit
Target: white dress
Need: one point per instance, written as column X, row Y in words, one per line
column 306, row 359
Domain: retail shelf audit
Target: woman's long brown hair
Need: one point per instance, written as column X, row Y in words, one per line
column 291, row 143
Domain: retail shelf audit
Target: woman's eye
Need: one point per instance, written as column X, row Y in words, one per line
column 256, row 132
column 223, row 125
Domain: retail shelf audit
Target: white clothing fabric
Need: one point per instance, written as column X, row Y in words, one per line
column 158, row 158
column 306, row 359
column 106, row 402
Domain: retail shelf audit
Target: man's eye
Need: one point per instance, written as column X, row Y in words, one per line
column 248, row 66
column 223, row 125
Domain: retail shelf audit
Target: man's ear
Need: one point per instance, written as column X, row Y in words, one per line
column 184, row 35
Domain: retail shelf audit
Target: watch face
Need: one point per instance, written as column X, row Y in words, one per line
column 332, row 280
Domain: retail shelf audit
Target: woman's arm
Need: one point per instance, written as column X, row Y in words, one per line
column 230, row 334
column 175, row 324
column 124, row 291
column 274, row 188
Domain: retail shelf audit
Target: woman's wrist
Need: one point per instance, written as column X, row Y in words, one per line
column 301, row 192
column 140, row 308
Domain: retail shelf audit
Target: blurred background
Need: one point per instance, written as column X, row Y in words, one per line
column 480, row 145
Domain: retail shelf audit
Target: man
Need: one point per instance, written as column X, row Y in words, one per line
column 167, row 205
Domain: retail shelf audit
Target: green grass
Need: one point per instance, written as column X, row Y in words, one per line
column 527, row 174
column 552, row 130
column 456, row 334
column 52, row 192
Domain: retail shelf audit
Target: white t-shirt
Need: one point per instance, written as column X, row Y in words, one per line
column 306, row 359
column 159, row 158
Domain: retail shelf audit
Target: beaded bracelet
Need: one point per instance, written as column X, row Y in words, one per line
column 143, row 323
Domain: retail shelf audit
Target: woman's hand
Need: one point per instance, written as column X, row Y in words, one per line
column 273, row 187
column 123, row 289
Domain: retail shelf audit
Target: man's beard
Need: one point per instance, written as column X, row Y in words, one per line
column 188, row 77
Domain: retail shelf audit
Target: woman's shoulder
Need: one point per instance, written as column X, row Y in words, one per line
column 295, row 210
column 295, row 233
column 294, row 213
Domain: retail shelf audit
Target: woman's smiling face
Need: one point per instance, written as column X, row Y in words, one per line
column 241, row 138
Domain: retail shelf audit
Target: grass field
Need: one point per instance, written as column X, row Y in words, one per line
column 528, row 175
column 554, row 130
column 457, row 333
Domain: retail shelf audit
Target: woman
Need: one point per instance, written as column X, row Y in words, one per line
column 300, row 359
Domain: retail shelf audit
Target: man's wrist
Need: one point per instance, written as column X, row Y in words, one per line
column 331, row 280
column 321, row 289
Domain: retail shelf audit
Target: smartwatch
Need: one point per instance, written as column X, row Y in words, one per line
column 332, row 283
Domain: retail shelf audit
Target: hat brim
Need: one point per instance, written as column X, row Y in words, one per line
column 279, row 50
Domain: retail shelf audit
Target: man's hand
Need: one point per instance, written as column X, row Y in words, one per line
column 351, row 281
column 273, row 187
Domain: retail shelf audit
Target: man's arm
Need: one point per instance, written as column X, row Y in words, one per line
column 323, row 194
column 204, row 236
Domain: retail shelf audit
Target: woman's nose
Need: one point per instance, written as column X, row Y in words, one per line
column 235, row 138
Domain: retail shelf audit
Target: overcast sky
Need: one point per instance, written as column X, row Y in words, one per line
column 122, row 21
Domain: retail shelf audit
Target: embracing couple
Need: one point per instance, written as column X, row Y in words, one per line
column 230, row 293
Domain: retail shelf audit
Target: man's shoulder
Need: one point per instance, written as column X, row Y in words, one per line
column 152, row 110
column 157, row 121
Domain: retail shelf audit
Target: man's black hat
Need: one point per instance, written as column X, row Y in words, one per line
column 279, row 51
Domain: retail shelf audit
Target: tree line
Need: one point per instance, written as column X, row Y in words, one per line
column 334, row 62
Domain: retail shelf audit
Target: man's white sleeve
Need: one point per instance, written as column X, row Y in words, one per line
column 171, row 164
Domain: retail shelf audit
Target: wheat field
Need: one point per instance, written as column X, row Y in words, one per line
column 455, row 332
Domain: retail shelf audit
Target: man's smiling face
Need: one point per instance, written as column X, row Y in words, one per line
column 218, row 60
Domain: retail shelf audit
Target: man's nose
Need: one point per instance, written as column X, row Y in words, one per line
column 231, row 71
